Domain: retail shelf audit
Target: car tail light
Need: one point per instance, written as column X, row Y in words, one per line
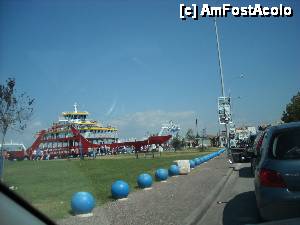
column 271, row 178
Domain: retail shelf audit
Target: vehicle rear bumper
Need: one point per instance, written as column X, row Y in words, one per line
column 278, row 203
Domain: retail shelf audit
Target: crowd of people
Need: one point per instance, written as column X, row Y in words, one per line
column 39, row 154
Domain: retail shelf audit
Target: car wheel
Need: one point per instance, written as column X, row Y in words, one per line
column 236, row 158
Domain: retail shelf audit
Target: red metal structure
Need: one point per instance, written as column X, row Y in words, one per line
column 36, row 143
column 75, row 134
column 86, row 145
column 14, row 151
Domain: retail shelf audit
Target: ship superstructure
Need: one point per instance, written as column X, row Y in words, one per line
column 60, row 138
column 75, row 134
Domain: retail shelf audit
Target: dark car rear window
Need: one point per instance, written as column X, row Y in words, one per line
column 258, row 142
column 286, row 145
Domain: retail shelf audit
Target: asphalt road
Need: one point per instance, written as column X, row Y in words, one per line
column 178, row 201
column 235, row 204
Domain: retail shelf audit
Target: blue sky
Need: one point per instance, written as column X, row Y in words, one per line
column 135, row 64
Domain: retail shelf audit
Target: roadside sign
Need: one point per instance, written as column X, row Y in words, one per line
column 224, row 110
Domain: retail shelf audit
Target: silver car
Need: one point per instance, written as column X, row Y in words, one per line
column 277, row 175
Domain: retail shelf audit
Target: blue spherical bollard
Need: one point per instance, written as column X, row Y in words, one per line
column 161, row 174
column 173, row 170
column 197, row 160
column 202, row 159
column 119, row 189
column 144, row 180
column 82, row 202
column 192, row 163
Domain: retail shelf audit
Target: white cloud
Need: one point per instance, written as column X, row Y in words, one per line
column 138, row 123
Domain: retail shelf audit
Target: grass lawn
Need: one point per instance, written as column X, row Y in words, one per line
column 49, row 185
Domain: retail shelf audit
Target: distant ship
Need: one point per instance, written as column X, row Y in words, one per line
column 14, row 151
column 74, row 134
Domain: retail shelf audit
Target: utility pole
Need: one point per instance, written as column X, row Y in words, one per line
column 196, row 127
column 203, row 136
column 219, row 57
column 196, row 132
column 222, row 78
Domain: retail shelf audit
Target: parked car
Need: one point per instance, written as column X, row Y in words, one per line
column 277, row 175
column 254, row 150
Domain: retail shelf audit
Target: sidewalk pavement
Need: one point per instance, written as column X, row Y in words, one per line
column 173, row 202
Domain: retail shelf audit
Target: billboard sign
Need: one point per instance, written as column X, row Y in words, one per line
column 224, row 110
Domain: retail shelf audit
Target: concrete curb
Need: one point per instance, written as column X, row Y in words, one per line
column 196, row 215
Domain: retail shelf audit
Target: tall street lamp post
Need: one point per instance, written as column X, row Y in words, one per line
column 227, row 120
